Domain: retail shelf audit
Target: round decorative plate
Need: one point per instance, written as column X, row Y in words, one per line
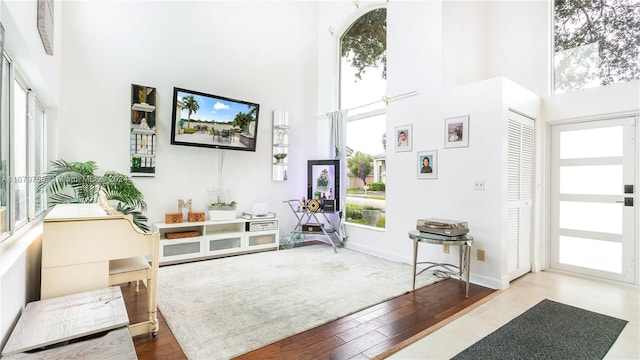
column 313, row 205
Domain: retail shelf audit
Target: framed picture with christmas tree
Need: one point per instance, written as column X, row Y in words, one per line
column 323, row 181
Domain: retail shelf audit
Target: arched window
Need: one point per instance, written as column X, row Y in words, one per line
column 363, row 72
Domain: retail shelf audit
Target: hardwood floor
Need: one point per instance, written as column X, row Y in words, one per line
column 374, row 332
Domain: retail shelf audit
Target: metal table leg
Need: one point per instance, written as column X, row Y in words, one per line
column 467, row 266
column 415, row 261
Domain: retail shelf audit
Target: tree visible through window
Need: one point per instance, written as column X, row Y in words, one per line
column 596, row 43
column 363, row 72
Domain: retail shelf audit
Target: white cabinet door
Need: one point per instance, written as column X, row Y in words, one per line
column 519, row 197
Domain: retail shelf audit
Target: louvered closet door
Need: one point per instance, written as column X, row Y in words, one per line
column 520, row 178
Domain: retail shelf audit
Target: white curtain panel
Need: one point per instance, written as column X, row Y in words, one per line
column 338, row 149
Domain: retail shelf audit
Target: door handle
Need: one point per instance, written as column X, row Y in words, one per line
column 628, row 201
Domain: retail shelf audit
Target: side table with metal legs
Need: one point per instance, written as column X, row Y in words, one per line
column 461, row 271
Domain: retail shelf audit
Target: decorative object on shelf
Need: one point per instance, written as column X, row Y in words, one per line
column 280, row 144
column 195, row 216
column 181, row 234
column 427, row 164
column 260, row 209
column 314, row 205
column 142, row 140
column 76, row 182
column 254, row 216
column 403, row 137
column 173, row 218
column 312, row 227
column 456, row 132
column 184, row 205
column 222, row 211
column 323, row 180
column 219, row 207
column 329, row 205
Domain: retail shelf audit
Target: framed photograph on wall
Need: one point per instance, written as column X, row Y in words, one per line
column 402, row 137
column 427, row 164
column 456, row 132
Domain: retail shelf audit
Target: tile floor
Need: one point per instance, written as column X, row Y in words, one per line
column 606, row 298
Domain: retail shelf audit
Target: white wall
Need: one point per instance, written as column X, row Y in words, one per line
column 487, row 39
column 464, row 42
column 519, row 42
column 261, row 52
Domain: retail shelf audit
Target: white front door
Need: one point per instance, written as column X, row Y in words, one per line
column 593, row 199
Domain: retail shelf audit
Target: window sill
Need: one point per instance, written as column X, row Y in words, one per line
column 367, row 227
column 17, row 244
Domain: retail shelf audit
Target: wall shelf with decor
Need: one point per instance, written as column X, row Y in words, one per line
column 280, row 145
column 189, row 241
column 142, row 140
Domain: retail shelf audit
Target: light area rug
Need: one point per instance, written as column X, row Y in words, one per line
column 221, row 308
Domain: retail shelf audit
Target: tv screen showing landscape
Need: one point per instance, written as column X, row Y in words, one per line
column 213, row 121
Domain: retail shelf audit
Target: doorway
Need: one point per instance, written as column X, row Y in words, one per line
column 593, row 166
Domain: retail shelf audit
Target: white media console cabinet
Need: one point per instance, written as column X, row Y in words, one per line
column 189, row 241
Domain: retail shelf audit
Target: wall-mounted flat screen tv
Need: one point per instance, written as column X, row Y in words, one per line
column 213, row 121
column 323, row 181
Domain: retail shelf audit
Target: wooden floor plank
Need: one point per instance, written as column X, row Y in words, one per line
column 366, row 334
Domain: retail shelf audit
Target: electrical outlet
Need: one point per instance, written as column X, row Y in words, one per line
column 478, row 185
column 480, row 255
column 445, row 249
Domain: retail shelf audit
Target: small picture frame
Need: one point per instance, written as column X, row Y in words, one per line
column 402, row 137
column 456, row 132
column 427, row 164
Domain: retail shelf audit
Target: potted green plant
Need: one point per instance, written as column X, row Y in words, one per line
column 222, row 210
column 77, row 183
column 223, row 206
column 219, row 207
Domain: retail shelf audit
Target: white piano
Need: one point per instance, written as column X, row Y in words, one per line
column 78, row 243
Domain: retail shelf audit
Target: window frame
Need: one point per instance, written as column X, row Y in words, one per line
column 360, row 116
column 34, row 153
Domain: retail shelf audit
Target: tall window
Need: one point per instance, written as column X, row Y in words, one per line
column 596, row 43
column 363, row 70
column 5, row 213
column 39, row 158
column 22, row 151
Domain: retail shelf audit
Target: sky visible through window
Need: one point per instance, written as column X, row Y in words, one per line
column 363, row 135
